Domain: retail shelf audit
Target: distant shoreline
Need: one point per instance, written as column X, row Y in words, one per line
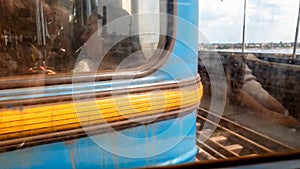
column 283, row 50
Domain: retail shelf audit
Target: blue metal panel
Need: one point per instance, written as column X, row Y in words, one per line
column 162, row 143
column 155, row 144
column 184, row 57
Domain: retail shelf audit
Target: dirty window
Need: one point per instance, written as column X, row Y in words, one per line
column 52, row 37
column 249, row 65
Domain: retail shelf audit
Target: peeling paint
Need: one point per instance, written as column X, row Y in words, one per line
column 21, row 145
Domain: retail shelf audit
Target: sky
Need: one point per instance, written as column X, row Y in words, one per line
column 221, row 21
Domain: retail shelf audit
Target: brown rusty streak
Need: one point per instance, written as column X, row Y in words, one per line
column 70, row 143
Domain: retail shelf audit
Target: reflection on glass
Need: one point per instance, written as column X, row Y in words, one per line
column 50, row 37
column 262, row 82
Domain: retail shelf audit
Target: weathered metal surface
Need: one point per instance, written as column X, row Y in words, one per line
column 151, row 144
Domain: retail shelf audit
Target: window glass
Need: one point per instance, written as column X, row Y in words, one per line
column 268, row 25
column 62, row 36
column 248, row 65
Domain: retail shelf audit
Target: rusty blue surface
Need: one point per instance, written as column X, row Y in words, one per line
column 164, row 143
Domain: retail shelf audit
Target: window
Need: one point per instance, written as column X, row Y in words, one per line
column 62, row 36
column 253, row 43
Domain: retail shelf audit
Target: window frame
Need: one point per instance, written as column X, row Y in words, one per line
column 158, row 59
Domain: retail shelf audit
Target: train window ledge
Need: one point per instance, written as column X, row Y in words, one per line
column 288, row 160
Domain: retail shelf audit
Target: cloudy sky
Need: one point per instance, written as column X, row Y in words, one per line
column 266, row 20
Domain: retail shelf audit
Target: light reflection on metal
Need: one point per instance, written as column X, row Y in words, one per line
column 43, row 23
column 38, row 22
column 89, row 7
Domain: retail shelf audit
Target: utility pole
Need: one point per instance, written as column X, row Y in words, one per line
column 244, row 25
column 296, row 36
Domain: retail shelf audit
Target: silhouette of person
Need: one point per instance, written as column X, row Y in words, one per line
column 112, row 47
column 92, row 50
column 91, row 27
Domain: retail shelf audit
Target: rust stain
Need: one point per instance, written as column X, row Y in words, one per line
column 70, row 143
